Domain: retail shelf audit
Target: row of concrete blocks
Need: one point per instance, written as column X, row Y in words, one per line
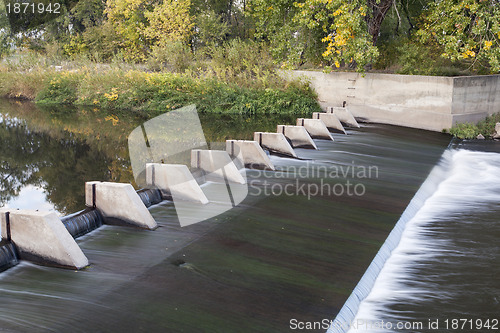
column 41, row 236
column 288, row 137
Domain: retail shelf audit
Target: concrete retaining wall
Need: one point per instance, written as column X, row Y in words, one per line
column 427, row 102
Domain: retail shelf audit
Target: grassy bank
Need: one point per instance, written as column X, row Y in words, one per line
column 152, row 93
column 485, row 127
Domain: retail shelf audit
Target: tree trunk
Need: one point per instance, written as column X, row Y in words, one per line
column 378, row 12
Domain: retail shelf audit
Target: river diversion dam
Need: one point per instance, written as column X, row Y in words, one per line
column 363, row 225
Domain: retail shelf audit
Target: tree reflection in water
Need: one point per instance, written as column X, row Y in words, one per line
column 57, row 156
column 59, row 148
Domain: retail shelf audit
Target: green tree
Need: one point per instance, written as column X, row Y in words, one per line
column 341, row 31
column 86, row 14
column 230, row 13
column 127, row 19
column 289, row 41
column 210, row 30
column 5, row 38
column 347, row 29
column 467, row 30
column 224, row 9
column 169, row 21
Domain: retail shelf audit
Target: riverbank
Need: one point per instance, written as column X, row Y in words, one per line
column 128, row 88
column 152, row 93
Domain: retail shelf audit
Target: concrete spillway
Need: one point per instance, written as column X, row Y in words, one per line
column 272, row 247
column 119, row 201
column 217, row 165
column 174, row 181
column 83, row 222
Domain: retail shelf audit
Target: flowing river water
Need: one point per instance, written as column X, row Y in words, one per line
column 291, row 253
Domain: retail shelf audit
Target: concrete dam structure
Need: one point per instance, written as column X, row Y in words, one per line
column 427, row 102
column 45, row 238
column 288, row 237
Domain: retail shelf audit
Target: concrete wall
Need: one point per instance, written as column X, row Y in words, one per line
column 475, row 97
column 427, row 102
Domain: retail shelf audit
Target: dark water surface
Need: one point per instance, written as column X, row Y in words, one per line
column 273, row 258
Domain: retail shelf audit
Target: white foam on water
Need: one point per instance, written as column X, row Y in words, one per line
column 464, row 181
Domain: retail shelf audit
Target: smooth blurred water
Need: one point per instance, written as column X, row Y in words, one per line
column 443, row 276
column 271, row 259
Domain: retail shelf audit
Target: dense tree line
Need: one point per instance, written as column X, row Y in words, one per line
column 416, row 35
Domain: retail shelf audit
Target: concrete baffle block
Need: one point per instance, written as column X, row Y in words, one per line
column 217, row 165
column 175, row 180
column 316, row 128
column 331, row 121
column 119, row 201
column 274, row 142
column 42, row 237
column 297, row 135
column 249, row 154
column 344, row 115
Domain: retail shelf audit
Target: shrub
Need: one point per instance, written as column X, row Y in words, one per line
column 60, row 88
column 152, row 93
column 485, row 127
column 174, row 56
